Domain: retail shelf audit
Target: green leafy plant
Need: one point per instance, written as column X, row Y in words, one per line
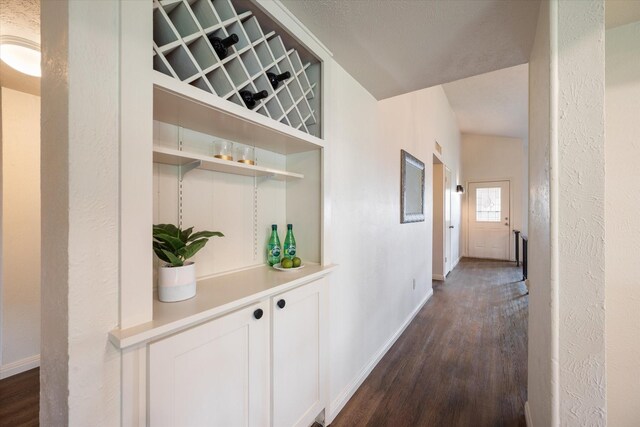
column 174, row 246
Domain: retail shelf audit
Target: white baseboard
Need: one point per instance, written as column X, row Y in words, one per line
column 456, row 262
column 437, row 277
column 346, row 394
column 19, row 366
column 527, row 414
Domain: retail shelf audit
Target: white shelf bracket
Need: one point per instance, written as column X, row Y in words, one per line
column 188, row 167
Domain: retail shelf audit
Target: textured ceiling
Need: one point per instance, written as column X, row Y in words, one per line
column 392, row 46
column 494, row 103
column 396, row 46
column 20, row 18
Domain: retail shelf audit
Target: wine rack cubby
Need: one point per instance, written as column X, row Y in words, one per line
column 182, row 50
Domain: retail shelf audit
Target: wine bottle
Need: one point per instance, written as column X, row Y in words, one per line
column 250, row 99
column 276, row 79
column 221, row 46
column 273, row 247
column 289, row 243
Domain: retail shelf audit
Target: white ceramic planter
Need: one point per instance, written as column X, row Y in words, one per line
column 177, row 283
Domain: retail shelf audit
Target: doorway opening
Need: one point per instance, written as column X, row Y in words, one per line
column 20, row 219
column 442, row 226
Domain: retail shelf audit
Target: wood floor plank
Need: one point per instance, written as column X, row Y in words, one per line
column 20, row 399
column 461, row 362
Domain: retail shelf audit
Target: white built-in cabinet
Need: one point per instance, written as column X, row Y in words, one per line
column 215, row 374
column 232, row 355
column 196, row 102
column 299, row 354
column 236, row 369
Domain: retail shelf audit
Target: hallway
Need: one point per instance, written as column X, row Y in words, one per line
column 461, row 362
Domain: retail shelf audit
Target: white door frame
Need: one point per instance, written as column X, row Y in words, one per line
column 438, row 213
column 446, row 232
column 467, row 222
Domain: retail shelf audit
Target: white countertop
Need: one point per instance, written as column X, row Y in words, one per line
column 216, row 296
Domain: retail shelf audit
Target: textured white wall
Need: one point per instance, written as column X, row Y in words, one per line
column 20, row 284
column 581, row 212
column 358, row 232
column 489, row 158
column 80, row 371
column 567, row 381
column 372, row 292
column 622, row 203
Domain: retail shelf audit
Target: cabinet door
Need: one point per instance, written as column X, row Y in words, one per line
column 216, row 374
column 299, row 355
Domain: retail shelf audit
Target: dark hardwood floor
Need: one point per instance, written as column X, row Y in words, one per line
column 20, row 399
column 461, row 362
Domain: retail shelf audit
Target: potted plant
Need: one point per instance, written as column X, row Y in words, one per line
column 177, row 278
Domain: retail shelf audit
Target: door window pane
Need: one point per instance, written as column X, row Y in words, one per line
column 488, row 204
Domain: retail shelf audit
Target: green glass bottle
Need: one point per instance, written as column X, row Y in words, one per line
column 289, row 243
column 273, row 247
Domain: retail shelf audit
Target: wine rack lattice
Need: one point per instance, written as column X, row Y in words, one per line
column 182, row 50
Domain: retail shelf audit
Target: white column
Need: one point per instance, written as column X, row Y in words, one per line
column 580, row 228
column 80, row 212
column 567, row 378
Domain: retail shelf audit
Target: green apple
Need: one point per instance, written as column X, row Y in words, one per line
column 286, row 263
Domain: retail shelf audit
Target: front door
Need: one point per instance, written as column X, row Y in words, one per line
column 489, row 220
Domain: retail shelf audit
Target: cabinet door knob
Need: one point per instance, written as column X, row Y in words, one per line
column 282, row 303
column 258, row 313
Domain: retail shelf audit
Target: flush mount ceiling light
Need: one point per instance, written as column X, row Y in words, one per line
column 21, row 54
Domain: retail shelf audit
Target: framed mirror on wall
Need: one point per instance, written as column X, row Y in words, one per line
column 411, row 188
